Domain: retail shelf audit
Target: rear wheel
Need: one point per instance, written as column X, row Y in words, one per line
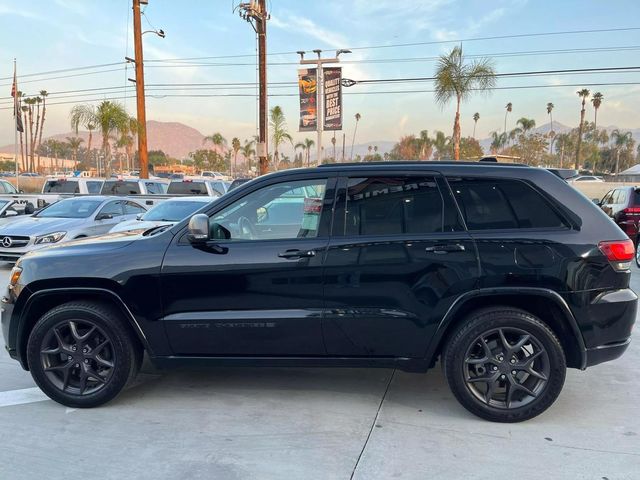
column 504, row 365
column 81, row 354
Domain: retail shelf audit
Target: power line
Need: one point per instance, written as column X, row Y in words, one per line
column 379, row 92
column 64, row 70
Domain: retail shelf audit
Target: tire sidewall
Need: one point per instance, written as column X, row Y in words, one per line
column 119, row 341
column 455, row 355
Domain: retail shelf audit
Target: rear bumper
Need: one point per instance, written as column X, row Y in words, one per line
column 605, row 353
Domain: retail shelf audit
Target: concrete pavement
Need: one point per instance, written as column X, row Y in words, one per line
column 269, row 423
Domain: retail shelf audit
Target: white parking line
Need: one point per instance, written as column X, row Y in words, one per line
column 22, row 396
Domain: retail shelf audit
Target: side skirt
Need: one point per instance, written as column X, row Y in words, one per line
column 404, row 364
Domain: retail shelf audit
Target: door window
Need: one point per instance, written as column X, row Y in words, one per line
column 493, row 204
column 131, row 208
column 282, row 211
column 392, row 206
column 112, row 208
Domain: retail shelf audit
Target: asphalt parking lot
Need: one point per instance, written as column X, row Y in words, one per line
column 273, row 423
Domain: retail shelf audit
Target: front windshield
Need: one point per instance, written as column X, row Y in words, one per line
column 71, row 208
column 169, row 211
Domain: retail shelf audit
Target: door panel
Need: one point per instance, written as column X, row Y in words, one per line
column 397, row 259
column 252, row 294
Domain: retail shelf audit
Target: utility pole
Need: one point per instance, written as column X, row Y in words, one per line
column 343, row 139
column 255, row 12
column 319, row 62
column 140, row 103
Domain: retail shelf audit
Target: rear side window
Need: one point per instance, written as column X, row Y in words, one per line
column 636, row 197
column 187, row 188
column 94, row 186
column 131, row 208
column 61, row 186
column 120, row 187
column 494, row 204
column 391, row 206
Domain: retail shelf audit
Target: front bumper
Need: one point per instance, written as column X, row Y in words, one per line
column 6, row 312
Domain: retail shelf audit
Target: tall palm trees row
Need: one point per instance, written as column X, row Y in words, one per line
column 31, row 137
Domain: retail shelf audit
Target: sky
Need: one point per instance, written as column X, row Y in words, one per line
column 50, row 35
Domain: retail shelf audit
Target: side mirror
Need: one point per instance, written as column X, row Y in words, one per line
column 104, row 216
column 198, row 228
column 20, row 191
column 596, row 201
column 139, row 216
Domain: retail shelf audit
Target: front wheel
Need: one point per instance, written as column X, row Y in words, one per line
column 504, row 365
column 81, row 354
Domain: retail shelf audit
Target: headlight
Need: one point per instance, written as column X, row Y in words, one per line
column 14, row 276
column 50, row 238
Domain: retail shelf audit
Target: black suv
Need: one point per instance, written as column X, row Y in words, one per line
column 505, row 273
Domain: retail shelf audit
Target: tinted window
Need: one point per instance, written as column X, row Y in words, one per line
column 94, row 186
column 112, row 208
column 172, row 211
column 61, row 186
column 70, row 208
column 121, row 187
column 285, row 210
column 187, row 188
column 6, row 187
column 131, row 208
column 499, row 204
column 155, row 188
column 636, row 197
column 391, row 206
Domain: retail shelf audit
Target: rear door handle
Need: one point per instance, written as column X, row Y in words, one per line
column 442, row 249
column 297, row 254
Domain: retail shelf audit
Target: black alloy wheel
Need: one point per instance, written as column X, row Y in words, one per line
column 77, row 357
column 82, row 354
column 506, row 368
column 504, row 364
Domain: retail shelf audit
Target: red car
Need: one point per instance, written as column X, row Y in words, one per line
column 622, row 204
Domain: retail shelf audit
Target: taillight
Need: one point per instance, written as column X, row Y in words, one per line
column 619, row 253
column 630, row 211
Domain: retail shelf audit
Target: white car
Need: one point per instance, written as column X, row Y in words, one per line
column 584, row 178
column 68, row 219
column 166, row 213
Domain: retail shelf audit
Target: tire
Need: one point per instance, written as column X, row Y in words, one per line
column 479, row 366
column 82, row 354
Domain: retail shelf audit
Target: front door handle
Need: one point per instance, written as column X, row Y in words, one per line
column 297, row 254
column 442, row 249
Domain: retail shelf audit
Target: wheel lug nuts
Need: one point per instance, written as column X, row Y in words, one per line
column 69, row 357
column 74, row 348
column 513, row 360
column 503, row 376
column 86, row 360
column 513, row 372
column 77, row 365
column 500, row 358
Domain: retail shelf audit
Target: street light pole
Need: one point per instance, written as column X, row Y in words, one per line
column 319, row 62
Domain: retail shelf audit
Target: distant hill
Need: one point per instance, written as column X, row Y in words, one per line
column 174, row 138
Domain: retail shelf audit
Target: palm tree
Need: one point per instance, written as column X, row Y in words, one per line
column 74, row 143
column 526, row 124
column 498, row 141
column 509, row 108
column 358, row 117
column 44, row 94
column 217, row 139
column 584, row 93
column 235, row 145
column 247, row 152
column 306, row 148
column 476, row 117
column 620, row 140
column 109, row 117
column 280, row 132
column 441, row 144
column 457, row 79
column 550, row 107
column 597, row 101
column 426, row 145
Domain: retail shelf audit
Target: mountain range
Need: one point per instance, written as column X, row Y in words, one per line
column 178, row 140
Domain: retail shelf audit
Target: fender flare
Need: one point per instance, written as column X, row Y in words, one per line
column 456, row 306
column 103, row 292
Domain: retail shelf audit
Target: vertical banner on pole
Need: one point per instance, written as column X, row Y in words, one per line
column 307, row 85
column 332, row 98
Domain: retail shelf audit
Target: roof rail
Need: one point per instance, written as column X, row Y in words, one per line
column 485, row 161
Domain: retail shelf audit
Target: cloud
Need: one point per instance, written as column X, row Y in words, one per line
column 5, row 10
column 79, row 8
column 306, row 26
